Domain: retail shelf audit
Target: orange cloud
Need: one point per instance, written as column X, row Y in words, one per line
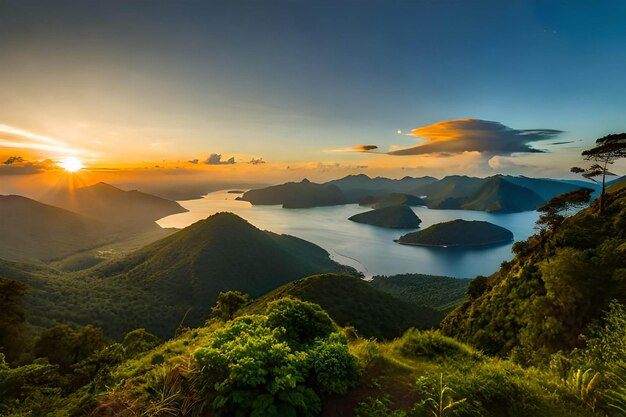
column 474, row 135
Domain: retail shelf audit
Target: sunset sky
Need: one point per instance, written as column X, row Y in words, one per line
column 287, row 89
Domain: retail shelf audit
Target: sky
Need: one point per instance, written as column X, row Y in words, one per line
column 279, row 90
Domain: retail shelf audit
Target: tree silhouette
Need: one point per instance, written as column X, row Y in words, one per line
column 608, row 149
column 227, row 304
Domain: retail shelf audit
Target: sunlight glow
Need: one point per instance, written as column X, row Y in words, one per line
column 71, row 164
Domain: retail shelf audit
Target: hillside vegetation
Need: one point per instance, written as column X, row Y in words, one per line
column 351, row 301
column 395, row 217
column 560, row 281
column 458, row 233
column 441, row 293
column 38, row 232
column 172, row 281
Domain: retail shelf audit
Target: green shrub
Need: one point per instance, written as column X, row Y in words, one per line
column 433, row 345
column 139, row 341
column 277, row 364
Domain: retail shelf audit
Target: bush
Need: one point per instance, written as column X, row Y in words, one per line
column 277, row 364
column 433, row 345
column 139, row 341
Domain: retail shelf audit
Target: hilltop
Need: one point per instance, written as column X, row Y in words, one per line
column 188, row 269
column 351, row 301
column 123, row 211
column 498, row 195
column 358, row 187
column 32, row 230
column 395, row 217
column 458, row 233
column 304, row 194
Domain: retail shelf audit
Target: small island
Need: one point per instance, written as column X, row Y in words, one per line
column 395, row 217
column 458, row 233
column 391, row 199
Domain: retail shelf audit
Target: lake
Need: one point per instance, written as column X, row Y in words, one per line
column 369, row 249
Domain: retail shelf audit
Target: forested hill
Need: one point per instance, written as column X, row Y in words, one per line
column 560, row 281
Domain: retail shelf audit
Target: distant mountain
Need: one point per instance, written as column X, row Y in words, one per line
column 357, row 187
column 396, row 217
column 351, row 301
column 441, row 293
column 188, row 269
column 454, row 186
column 458, row 233
column 304, row 194
column 32, row 230
column 126, row 210
column 546, row 188
column 392, row 199
column 497, row 195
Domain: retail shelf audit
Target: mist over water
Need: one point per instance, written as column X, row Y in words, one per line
column 370, row 249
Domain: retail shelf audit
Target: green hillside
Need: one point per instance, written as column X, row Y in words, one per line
column 396, row 217
column 351, row 301
column 458, row 233
column 497, row 195
column 304, row 194
column 188, row 269
column 173, row 280
column 288, row 359
column 559, row 282
column 391, row 199
column 34, row 231
column 441, row 293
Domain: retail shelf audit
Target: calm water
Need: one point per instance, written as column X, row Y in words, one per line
column 367, row 248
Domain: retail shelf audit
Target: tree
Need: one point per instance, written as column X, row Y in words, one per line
column 608, row 149
column 64, row 346
column 12, row 317
column 139, row 341
column 227, row 304
column 555, row 210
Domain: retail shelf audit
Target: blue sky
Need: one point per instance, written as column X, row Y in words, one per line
column 286, row 80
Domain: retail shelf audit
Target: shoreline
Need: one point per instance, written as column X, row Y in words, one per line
column 453, row 245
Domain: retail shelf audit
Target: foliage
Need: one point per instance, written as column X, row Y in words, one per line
column 352, row 301
column 441, row 403
column 276, row 364
column 139, row 341
column 559, row 282
column 608, row 149
column 12, row 318
column 438, row 292
column 432, row 345
column 64, row 346
column 227, row 304
column 559, row 207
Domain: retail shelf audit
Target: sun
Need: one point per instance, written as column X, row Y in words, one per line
column 71, row 164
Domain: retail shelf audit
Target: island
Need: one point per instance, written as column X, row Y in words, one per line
column 391, row 199
column 304, row 194
column 395, row 217
column 458, row 233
